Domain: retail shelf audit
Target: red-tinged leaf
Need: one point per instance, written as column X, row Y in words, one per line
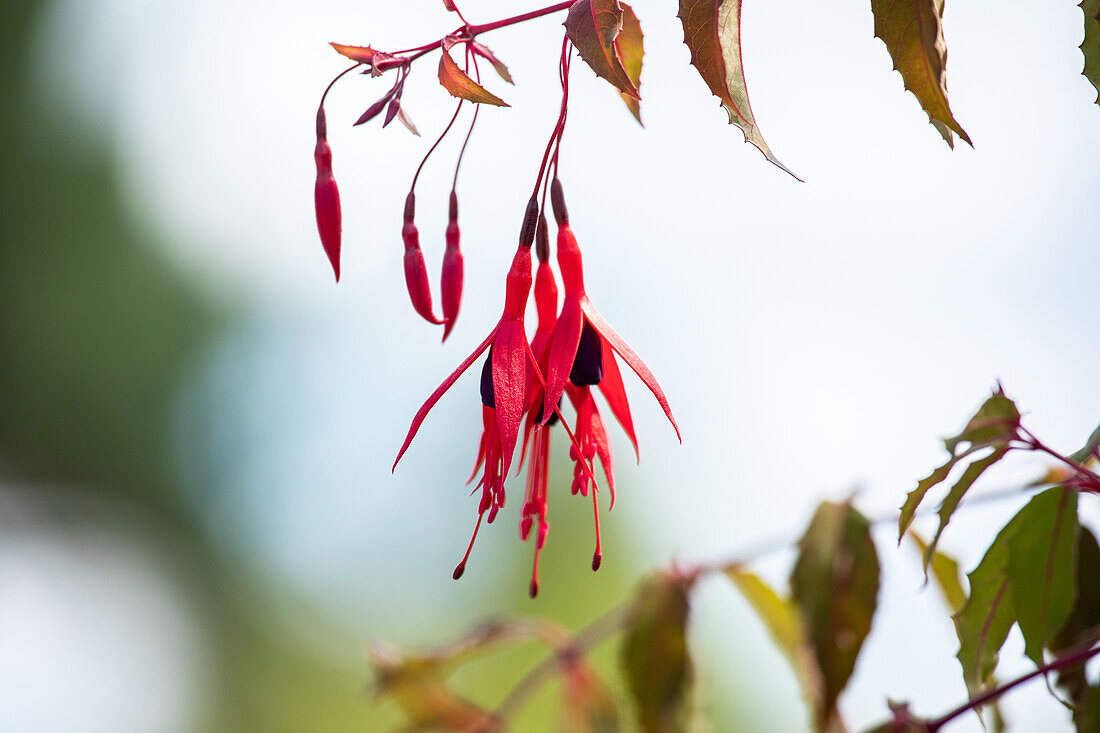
column 404, row 120
column 631, row 48
column 422, row 413
column 951, row 502
column 835, row 585
column 655, row 660
column 633, row 360
column 615, row 393
column 1090, row 46
column 588, row 705
column 362, row 54
column 483, row 51
column 375, row 109
column 913, row 33
column 592, row 27
column 712, row 32
column 391, row 111
column 460, row 85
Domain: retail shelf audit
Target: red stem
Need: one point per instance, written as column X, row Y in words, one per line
column 1035, row 444
column 472, row 31
column 1069, row 660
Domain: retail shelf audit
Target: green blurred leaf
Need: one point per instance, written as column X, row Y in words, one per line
column 588, row 705
column 630, row 46
column 593, row 26
column 1090, row 47
column 835, row 587
column 1084, row 621
column 913, row 33
column 1042, row 568
column 1093, row 443
column 945, row 571
column 712, row 32
column 781, row 618
column 655, row 657
column 994, row 424
column 1087, row 715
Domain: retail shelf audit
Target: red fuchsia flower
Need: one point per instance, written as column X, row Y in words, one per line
column 584, row 346
column 450, row 290
column 416, row 272
column 326, row 196
column 506, row 383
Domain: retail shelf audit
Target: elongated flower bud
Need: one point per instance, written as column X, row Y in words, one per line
column 416, row 273
column 450, row 292
column 326, row 197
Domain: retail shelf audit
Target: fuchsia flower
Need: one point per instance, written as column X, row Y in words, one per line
column 584, row 346
column 416, row 272
column 326, row 196
column 450, row 290
column 506, row 383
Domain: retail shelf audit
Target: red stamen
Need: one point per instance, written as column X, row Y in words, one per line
column 461, row 567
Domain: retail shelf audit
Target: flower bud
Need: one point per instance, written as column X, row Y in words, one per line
column 416, row 273
column 326, row 197
column 451, row 281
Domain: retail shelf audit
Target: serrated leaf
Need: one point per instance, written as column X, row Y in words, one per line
column 945, row 570
column 782, row 620
column 630, row 46
column 984, row 622
column 655, row 658
column 1042, row 568
column 994, row 424
column 588, row 706
column 913, row 33
column 1090, row 47
column 1081, row 625
column 362, row 54
column 712, row 32
column 835, row 585
column 459, row 84
column 483, row 51
column 951, row 502
column 592, row 27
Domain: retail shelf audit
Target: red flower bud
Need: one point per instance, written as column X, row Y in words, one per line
column 416, row 273
column 451, row 282
column 326, row 197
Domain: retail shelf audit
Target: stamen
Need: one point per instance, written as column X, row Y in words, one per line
column 597, row 556
column 461, row 567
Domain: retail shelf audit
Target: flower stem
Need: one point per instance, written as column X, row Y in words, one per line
column 1067, row 660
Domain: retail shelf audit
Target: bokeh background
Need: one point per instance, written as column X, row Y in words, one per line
column 199, row 530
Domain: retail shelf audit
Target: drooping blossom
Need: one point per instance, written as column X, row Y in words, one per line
column 581, row 327
column 450, row 287
column 326, row 196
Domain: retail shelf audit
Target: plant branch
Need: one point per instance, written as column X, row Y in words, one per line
column 1080, row 656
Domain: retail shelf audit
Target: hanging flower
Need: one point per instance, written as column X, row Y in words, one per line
column 584, row 346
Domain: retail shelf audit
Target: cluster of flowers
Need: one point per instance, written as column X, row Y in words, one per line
column 522, row 381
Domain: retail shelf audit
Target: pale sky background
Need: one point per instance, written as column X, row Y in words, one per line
column 813, row 338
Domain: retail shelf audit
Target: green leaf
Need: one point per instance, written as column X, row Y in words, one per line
column 955, row 495
column 655, row 657
column 588, row 706
column 1042, row 568
column 631, row 48
column 460, row 85
column 593, row 27
column 984, row 622
column 782, row 620
column 1093, row 443
column 835, row 585
column 913, row 33
column 994, row 425
column 945, row 570
column 1087, row 715
column 1081, row 625
column 1090, row 47
column 712, row 32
